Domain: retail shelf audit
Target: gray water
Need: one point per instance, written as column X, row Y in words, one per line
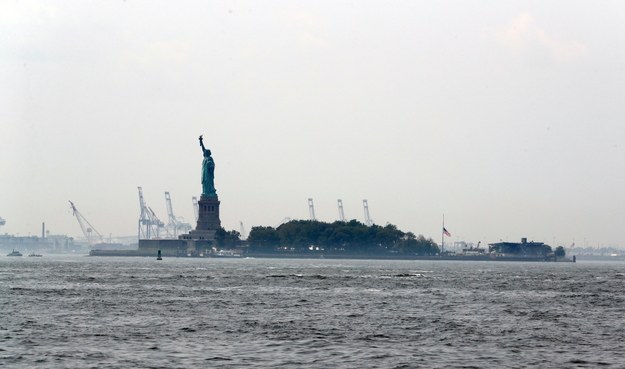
column 81, row 312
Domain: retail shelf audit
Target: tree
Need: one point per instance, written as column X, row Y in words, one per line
column 263, row 239
column 560, row 253
column 227, row 239
column 339, row 237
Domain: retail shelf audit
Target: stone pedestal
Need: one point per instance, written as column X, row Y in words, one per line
column 208, row 215
column 208, row 221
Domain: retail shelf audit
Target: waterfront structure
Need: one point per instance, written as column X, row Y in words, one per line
column 523, row 248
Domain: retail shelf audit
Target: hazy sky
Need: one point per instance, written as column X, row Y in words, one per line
column 506, row 116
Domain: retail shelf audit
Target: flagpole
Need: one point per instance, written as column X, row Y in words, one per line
column 443, row 235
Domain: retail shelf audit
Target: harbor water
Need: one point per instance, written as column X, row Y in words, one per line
column 82, row 312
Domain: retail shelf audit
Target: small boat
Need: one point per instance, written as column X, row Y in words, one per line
column 14, row 253
column 225, row 254
column 33, row 255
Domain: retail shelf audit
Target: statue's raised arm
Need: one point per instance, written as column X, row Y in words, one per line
column 202, row 143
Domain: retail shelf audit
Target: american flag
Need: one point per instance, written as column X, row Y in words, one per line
column 446, row 232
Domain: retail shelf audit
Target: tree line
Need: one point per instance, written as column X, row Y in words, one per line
column 353, row 237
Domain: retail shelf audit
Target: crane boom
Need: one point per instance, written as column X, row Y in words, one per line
column 87, row 229
column 170, row 209
column 144, row 218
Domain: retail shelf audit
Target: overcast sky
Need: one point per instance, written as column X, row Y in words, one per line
column 507, row 117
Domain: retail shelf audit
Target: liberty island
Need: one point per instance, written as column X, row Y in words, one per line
column 315, row 239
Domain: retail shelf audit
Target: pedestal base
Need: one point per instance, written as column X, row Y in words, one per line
column 208, row 214
column 208, row 222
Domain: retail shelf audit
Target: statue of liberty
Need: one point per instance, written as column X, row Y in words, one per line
column 208, row 172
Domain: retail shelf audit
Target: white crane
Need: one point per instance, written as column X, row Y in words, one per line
column 144, row 218
column 175, row 225
column 156, row 223
column 91, row 234
column 311, row 209
column 172, row 224
column 149, row 224
column 341, row 214
column 368, row 220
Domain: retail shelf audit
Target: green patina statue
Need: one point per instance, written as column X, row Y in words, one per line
column 208, row 172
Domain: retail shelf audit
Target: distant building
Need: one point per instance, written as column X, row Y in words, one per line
column 523, row 248
column 51, row 243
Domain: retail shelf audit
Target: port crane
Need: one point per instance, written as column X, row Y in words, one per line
column 175, row 225
column 341, row 213
column 149, row 224
column 368, row 221
column 311, row 209
column 91, row 234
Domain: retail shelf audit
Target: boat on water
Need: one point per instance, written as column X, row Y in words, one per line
column 225, row 254
column 33, row 255
column 14, row 253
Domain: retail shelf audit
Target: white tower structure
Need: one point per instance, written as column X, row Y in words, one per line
column 341, row 214
column 311, row 209
column 368, row 221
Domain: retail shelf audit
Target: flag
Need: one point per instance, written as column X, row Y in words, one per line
column 446, row 232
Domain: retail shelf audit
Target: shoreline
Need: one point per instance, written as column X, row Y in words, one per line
column 144, row 253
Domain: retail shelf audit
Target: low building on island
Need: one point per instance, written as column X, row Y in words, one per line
column 523, row 249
